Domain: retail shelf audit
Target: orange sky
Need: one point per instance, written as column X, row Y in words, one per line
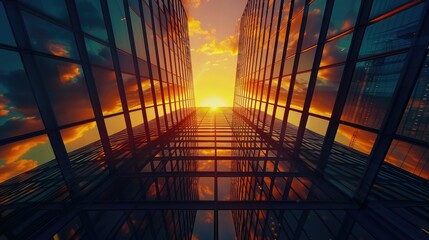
column 213, row 30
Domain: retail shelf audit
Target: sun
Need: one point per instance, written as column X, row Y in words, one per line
column 213, row 102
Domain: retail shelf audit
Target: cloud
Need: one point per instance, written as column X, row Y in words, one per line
column 194, row 26
column 228, row 45
column 188, row 4
column 10, row 156
column 15, row 168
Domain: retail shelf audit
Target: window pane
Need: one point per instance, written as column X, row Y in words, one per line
column 132, row 91
column 80, row 136
column 343, row 17
column 300, row 90
column 53, row 8
column 18, row 109
column 98, row 54
column 22, row 156
column 6, row 36
column 107, row 89
column 393, row 33
column 336, row 51
column 91, row 18
column 138, row 35
column 325, row 92
column 119, row 24
column 411, row 158
column 66, row 87
column 314, row 22
column 415, row 121
column 371, row 90
column 380, row 6
column 49, row 38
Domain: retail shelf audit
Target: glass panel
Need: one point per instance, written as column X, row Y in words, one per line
column 131, row 91
column 6, row 37
column 107, row 88
column 355, row 138
column 49, row 38
column 343, row 17
column 306, row 60
column 325, row 91
column 98, row 54
column 66, row 87
column 300, row 90
column 119, row 24
column 80, row 136
column 371, row 90
column 336, row 51
column 314, row 22
column 53, row 8
column 393, row 33
column 22, row 156
column 411, row 158
column 147, row 92
column 91, row 18
column 294, row 35
column 226, row 226
column 380, row 6
column 415, row 121
column 18, row 109
column 203, row 228
column 138, row 35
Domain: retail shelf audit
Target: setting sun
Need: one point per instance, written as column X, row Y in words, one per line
column 213, row 102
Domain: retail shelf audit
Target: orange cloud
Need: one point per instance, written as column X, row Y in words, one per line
column 194, row 26
column 228, row 45
column 12, row 153
column 188, row 4
column 68, row 73
column 3, row 103
column 17, row 149
column 58, row 49
column 73, row 134
column 15, row 168
column 209, row 218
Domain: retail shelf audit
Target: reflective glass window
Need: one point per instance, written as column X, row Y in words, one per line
column 6, row 36
column 98, row 53
column 336, row 51
column 18, row 109
column 50, row 38
column 393, row 33
column 80, row 136
column 53, row 8
column 107, row 88
column 119, row 24
column 412, row 158
column 343, row 16
column 380, row 7
column 415, row 121
column 325, row 91
column 66, row 88
column 131, row 91
column 314, row 22
column 300, row 90
column 22, row 156
column 372, row 87
column 91, row 18
column 138, row 35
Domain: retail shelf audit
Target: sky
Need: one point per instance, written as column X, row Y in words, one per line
column 214, row 34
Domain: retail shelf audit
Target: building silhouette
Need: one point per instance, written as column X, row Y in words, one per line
column 100, row 137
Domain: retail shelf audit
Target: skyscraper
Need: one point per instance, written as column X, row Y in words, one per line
column 100, row 137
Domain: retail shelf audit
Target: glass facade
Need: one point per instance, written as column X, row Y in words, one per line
column 100, row 138
column 344, row 97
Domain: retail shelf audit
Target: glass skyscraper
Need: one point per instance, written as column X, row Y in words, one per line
column 100, row 137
